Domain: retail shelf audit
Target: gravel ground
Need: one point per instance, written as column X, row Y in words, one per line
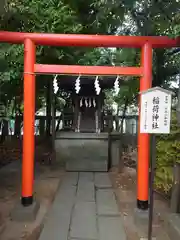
column 46, row 183
column 125, row 188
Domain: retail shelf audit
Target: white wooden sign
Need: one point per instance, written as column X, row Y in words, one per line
column 155, row 111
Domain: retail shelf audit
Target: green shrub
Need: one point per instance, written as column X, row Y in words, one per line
column 168, row 152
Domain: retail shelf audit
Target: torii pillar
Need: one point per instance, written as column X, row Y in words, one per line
column 143, row 138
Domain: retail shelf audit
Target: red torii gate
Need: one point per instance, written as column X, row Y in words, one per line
column 30, row 40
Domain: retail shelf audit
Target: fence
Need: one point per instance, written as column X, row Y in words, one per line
column 130, row 124
column 14, row 125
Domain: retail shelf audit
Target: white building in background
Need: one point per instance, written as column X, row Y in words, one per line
column 42, row 112
column 130, row 124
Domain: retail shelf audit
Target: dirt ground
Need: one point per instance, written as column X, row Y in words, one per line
column 125, row 189
column 47, row 180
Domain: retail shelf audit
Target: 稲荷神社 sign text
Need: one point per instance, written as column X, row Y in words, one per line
column 155, row 111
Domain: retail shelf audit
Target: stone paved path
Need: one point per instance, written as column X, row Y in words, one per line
column 84, row 209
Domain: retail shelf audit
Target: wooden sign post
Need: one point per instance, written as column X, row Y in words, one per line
column 155, row 118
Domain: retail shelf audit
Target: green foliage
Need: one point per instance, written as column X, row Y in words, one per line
column 128, row 92
column 126, row 57
column 6, row 110
column 109, row 100
column 103, row 16
column 168, row 153
column 127, row 95
column 175, row 28
column 129, row 86
column 30, row 16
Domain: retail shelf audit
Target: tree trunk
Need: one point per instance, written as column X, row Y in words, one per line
column 123, row 115
column 53, row 120
column 4, row 130
column 58, row 123
column 48, row 107
column 121, row 163
column 178, row 103
column 2, row 6
column 117, row 119
column 17, row 126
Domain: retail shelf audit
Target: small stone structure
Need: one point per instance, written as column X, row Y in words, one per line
column 94, row 152
column 82, row 151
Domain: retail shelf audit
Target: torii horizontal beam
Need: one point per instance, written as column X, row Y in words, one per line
column 51, row 39
column 87, row 70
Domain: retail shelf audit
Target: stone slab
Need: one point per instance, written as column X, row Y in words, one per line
column 86, row 165
column 153, row 238
column 83, row 225
column 70, row 179
column 86, row 190
column 25, row 214
column 83, row 153
column 85, row 177
column 106, row 203
column 174, row 226
column 58, row 221
column 57, row 225
column 102, row 180
column 115, row 155
column 86, row 193
column 111, row 228
column 65, row 195
column 141, row 216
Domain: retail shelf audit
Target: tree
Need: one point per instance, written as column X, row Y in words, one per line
column 99, row 17
column 31, row 16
